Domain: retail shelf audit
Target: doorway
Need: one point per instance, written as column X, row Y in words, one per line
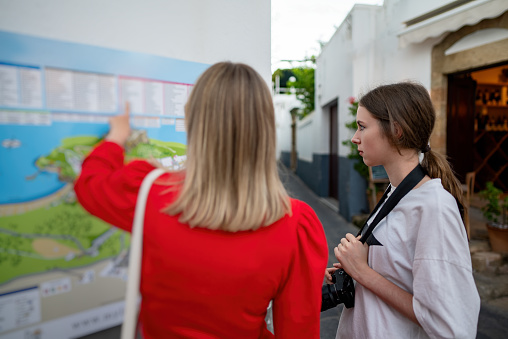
column 460, row 122
column 477, row 125
column 488, row 151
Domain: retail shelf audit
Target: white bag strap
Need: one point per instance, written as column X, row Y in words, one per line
column 130, row 318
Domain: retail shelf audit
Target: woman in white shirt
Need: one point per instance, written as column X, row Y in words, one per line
column 416, row 280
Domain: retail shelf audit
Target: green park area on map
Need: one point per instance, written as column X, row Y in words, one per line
column 61, row 235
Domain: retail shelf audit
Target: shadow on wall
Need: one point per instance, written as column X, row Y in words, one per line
column 352, row 190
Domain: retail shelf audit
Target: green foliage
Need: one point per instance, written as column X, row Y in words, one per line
column 284, row 75
column 495, row 210
column 68, row 225
column 359, row 166
column 62, row 158
column 157, row 149
column 304, row 85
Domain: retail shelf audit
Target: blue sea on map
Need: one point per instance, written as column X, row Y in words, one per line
column 17, row 164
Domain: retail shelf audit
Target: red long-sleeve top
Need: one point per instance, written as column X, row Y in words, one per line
column 201, row 283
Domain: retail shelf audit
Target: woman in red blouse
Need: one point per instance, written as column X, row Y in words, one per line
column 222, row 238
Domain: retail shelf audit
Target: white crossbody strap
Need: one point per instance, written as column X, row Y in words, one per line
column 130, row 318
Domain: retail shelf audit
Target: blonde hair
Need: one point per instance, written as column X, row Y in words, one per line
column 231, row 179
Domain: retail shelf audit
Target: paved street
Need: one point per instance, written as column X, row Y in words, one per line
column 335, row 228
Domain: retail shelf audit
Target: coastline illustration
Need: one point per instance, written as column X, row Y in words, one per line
column 53, row 232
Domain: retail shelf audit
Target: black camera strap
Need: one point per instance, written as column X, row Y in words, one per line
column 409, row 182
column 343, row 289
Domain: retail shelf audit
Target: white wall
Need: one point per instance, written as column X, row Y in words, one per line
column 365, row 53
column 283, row 104
column 305, row 137
column 191, row 30
column 305, row 129
column 334, row 80
column 410, row 9
column 413, row 62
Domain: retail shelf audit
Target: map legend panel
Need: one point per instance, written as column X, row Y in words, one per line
column 19, row 308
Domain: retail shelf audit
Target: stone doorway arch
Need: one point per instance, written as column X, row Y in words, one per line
column 470, row 59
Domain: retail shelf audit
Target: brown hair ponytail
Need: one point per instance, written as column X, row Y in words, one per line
column 436, row 166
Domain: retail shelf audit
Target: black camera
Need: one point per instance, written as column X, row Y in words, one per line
column 341, row 291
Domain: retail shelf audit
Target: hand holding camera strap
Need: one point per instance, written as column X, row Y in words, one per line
column 409, row 182
column 343, row 290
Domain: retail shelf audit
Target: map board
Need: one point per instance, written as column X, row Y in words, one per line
column 62, row 271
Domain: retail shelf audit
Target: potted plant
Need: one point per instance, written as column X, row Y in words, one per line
column 495, row 211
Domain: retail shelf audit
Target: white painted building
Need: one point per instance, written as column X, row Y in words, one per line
column 433, row 42
column 283, row 104
column 191, row 30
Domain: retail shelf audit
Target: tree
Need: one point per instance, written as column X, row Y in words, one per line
column 284, row 75
column 304, row 85
column 302, row 80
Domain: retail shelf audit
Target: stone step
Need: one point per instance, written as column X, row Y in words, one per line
column 487, row 262
column 491, row 287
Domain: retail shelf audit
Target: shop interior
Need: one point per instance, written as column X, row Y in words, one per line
column 477, row 131
column 491, row 126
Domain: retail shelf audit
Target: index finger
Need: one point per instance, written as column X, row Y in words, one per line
column 351, row 237
column 127, row 108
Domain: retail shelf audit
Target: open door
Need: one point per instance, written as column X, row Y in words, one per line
column 460, row 123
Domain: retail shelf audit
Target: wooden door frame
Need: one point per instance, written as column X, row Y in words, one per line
column 474, row 58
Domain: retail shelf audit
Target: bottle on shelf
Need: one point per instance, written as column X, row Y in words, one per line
column 497, row 96
column 482, row 119
column 479, row 96
column 492, row 97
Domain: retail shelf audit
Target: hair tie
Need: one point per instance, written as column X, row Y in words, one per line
column 426, row 149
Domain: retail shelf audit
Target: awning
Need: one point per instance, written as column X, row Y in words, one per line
column 469, row 14
column 478, row 38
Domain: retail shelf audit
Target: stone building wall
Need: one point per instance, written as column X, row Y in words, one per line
column 473, row 58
